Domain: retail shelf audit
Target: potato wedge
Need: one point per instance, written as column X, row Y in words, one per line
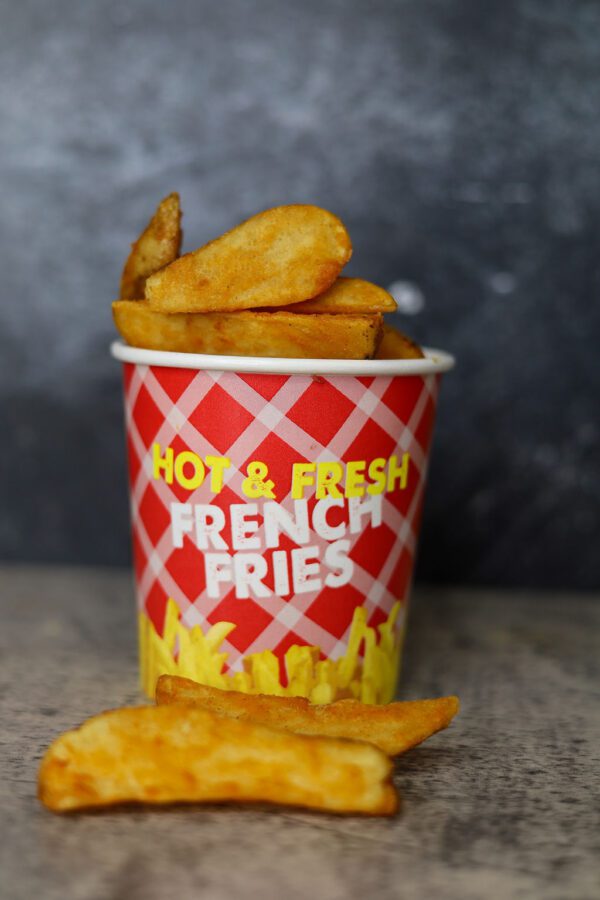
column 171, row 754
column 157, row 246
column 395, row 345
column 279, row 334
column 277, row 257
column 393, row 727
column 350, row 295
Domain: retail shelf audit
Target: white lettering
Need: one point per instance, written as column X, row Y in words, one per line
column 336, row 558
column 280, row 571
column 242, row 526
column 249, row 569
column 181, row 522
column 217, row 567
column 358, row 508
column 279, row 520
column 320, row 523
column 210, row 521
column 302, row 570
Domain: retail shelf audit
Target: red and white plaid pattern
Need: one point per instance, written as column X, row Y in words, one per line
column 279, row 420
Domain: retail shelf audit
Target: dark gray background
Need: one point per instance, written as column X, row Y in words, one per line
column 459, row 141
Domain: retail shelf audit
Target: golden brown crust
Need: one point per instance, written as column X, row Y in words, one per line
column 350, row 295
column 267, row 334
column 396, row 345
column 157, row 246
column 393, row 727
column 172, row 754
column 280, row 256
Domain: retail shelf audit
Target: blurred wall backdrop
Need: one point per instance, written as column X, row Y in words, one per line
column 459, row 142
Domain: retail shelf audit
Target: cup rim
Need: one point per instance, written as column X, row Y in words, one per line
column 436, row 361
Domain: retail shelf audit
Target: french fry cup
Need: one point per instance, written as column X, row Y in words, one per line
column 275, row 508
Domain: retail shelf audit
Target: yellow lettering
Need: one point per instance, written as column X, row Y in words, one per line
column 377, row 476
column 329, row 475
column 190, row 484
column 398, row 472
column 218, row 465
column 162, row 463
column 302, row 478
column 257, row 484
column 355, row 478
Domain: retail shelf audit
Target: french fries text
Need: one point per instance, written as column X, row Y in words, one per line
column 346, row 503
column 254, row 529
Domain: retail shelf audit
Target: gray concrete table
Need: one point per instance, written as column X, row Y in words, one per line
column 505, row 803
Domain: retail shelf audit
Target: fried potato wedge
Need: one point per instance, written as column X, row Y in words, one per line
column 394, row 727
column 277, row 257
column 350, row 295
column 157, row 246
column 277, row 334
column 172, row 754
column 395, row 345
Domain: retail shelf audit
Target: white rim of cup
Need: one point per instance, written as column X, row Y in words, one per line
column 436, row 361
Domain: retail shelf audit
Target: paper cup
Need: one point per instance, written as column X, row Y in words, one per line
column 275, row 509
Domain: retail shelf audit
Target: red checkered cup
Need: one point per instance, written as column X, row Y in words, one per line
column 275, row 508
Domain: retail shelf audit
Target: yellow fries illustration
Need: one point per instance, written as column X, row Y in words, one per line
column 192, row 653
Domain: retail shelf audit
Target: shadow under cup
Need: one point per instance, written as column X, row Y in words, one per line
column 275, row 508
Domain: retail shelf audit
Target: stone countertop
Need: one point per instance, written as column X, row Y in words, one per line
column 505, row 803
